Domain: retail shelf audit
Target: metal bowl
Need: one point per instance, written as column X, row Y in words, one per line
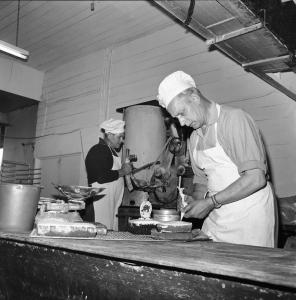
column 77, row 191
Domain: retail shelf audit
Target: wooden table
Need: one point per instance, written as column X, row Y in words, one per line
column 39, row 268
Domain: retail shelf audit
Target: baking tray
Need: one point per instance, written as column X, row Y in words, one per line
column 111, row 236
column 122, row 236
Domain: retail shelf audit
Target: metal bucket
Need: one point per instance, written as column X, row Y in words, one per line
column 18, row 206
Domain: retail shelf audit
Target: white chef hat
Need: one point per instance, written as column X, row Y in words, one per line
column 113, row 126
column 172, row 85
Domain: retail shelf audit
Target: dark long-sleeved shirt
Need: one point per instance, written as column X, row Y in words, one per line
column 99, row 162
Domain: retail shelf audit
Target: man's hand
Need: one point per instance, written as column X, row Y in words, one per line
column 199, row 208
column 126, row 169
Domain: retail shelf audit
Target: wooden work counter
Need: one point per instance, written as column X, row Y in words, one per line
column 42, row 268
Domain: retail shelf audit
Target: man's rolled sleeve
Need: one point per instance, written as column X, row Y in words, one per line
column 250, row 165
column 242, row 141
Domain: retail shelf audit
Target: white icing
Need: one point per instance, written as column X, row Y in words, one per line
column 163, row 224
column 142, row 221
column 175, row 223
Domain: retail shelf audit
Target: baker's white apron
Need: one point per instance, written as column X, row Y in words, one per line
column 106, row 208
column 249, row 221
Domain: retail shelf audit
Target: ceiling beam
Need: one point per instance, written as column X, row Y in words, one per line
column 250, row 23
column 233, row 34
column 266, row 60
column 273, row 83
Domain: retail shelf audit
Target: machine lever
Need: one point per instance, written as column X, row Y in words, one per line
column 136, row 170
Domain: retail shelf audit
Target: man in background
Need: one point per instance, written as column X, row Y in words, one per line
column 104, row 169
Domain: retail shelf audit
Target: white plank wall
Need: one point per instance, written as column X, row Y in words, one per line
column 19, row 79
column 72, row 102
column 79, row 95
column 72, row 97
column 19, row 136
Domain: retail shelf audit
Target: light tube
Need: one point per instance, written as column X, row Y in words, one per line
column 13, row 50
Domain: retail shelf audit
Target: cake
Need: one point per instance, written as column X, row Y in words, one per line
column 144, row 226
column 141, row 225
column 174, row 226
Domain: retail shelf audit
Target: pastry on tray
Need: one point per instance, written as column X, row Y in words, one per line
column 65, row 229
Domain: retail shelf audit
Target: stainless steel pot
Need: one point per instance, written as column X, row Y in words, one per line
column 18, row 206
column 164, row 215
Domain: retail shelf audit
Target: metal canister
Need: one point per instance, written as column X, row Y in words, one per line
column 164, row 215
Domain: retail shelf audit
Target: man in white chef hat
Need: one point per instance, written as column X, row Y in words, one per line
column 231, row 187
column 104, row 169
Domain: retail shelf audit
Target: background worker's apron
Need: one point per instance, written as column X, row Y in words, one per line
column 249, row 221
column 106, row 208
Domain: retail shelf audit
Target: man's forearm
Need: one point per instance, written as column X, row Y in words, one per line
column 244, row 186
column 199, row 191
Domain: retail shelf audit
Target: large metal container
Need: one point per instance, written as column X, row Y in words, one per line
column 18, row 206
column 145, row 135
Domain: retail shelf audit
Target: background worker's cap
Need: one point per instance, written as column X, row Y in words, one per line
column 113, row 126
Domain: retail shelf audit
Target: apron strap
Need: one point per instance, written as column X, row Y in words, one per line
column 218, row 110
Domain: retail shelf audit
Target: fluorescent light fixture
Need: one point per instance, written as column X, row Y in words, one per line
column 13, row 50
